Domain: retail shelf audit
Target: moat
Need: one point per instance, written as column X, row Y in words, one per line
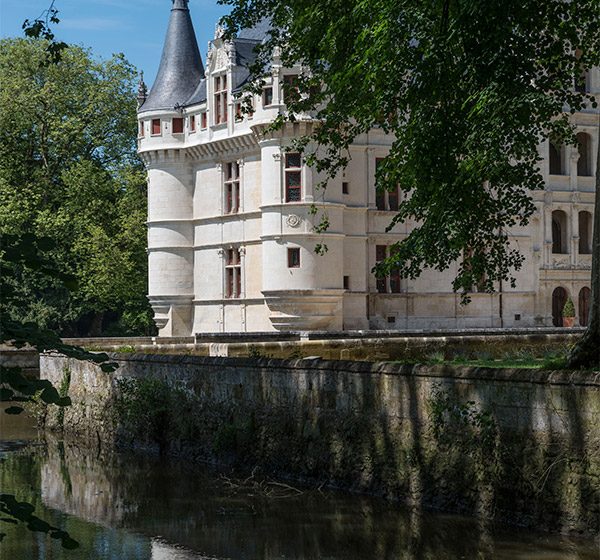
column 139, row 507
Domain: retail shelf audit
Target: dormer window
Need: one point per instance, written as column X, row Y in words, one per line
column 267, row 96
column 290, row 88
column 177, row 125
column 155, row 127
column 192, row 123
column 220, row 99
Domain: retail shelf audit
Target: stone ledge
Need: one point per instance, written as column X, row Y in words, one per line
column 520, row 375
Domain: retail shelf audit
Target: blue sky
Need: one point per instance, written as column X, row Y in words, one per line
column 134, row 27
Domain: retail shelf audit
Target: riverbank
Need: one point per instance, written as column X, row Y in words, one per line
column 515, row 446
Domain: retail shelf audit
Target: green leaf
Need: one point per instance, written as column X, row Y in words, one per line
column 13, row 410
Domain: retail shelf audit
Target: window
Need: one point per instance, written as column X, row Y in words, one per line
column 177, row 125
column 238, row 111
column 293, row 256
column 267, row 96
column 585, row 233
column 220, row 111
column 345, row 188
column 232, row 187
column 346, row 282
column 290, row 88
column 584, row 167
column 193, row 123
column 559, row 298
column 233, row 274
column 390, row 283
column 293, row 177
column 141, row 133
column 203, row 120
column 384, row 199
column 155, row 127
column 555, row 156
column 559, row 232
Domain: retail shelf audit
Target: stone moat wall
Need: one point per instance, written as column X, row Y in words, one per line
column 521, row 446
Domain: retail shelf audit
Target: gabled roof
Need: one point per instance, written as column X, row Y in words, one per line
column 181, row 69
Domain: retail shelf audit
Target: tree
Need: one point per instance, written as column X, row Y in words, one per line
column 69, row 172
column 468, row 88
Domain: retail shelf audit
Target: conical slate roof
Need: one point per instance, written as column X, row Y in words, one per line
column 180, row 69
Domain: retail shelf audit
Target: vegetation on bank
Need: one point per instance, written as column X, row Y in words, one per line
column 72, row 188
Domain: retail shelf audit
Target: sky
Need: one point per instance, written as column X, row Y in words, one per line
column 134, row 27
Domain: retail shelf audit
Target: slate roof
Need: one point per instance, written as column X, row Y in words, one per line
column 181, row 68
column 180, row 80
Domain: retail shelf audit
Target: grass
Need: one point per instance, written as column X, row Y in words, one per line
column 518, row 360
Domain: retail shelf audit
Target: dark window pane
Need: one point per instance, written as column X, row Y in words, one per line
column 293, row 179
column 293, row 258
column 293, row 160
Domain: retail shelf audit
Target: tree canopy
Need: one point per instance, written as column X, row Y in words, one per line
column 468, row 88
column 69, row 173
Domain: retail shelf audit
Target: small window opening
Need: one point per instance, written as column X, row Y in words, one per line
column 345, row 187
column 192, row 123
column 293, row 255
column 346, row 282
column 203, row 120
column 155, row 127
column 267, row 96
column 177, row 125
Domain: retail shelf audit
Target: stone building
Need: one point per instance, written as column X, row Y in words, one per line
column 231, row 240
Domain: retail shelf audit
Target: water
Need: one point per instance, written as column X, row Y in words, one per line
column 133, row 507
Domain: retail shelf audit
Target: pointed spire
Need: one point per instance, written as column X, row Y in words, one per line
column 181, row 67
column 142, row 91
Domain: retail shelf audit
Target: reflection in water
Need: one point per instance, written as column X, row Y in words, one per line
column 133, row 507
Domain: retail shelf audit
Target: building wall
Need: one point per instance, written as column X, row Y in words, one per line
column 190, row 233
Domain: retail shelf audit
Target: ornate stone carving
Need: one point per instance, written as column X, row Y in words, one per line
column 293, row 220
column 575, row 198
column 221, row 59
column 548, row 198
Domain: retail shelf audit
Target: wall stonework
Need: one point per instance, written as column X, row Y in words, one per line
column 521, row 446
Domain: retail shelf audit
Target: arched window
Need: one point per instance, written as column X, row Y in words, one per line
column 585, row 295
column 584, row 163
column 556, row 159
column 559, row 298
column 585, row 233
column 559, row 232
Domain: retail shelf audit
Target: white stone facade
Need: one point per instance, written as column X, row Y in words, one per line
column 219, row 265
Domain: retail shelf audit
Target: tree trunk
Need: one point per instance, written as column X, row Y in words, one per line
column 586, row 353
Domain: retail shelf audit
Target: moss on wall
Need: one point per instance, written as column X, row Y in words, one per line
column 518, row 446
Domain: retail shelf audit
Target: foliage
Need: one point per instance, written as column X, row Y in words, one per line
column 155, row 410
column 568, row 309
column 70, row 178
column 467, row 88
column 24, row 512
column 455, row 424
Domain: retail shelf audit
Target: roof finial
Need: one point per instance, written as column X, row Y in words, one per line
column 180, row 5
column 142, row 91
